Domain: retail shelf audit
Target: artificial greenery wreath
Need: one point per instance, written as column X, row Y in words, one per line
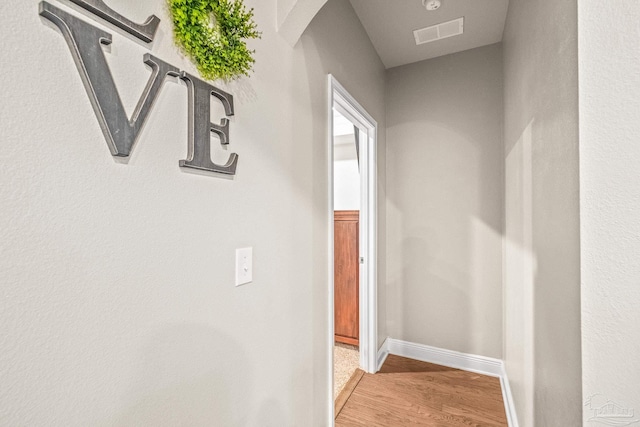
column 212, row 33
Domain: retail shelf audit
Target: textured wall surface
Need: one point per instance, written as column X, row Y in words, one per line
column 117, row 297
column 445, row 201
column 542, row 248
column 327, row 50
column 609, row 40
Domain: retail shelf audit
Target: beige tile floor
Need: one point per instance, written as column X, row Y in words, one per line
column 346, row 359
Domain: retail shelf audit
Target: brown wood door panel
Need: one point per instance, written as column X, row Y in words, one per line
column 346, row 276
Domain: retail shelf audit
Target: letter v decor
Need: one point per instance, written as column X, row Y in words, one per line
column 85, row 43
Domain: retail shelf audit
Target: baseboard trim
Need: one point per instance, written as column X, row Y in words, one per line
column 509, row 404
column 454, row 359
column 383, row 352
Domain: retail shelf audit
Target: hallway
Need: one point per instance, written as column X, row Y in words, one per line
column 505, row 206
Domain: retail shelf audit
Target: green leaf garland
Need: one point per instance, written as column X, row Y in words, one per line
column 212, row 33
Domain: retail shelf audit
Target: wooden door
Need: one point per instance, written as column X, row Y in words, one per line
column 346, row 276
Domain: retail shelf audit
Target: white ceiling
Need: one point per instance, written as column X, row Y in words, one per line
column 390, row 25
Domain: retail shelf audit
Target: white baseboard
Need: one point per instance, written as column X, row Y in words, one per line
column 383, row 352
column 509, row 404
column 454, row 359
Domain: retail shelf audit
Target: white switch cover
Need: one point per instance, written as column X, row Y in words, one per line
column 244, row 266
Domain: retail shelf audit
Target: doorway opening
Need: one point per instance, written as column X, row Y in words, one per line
column 346, row 245
column 352, row 237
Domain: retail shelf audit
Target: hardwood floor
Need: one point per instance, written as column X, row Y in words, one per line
column 409, row 392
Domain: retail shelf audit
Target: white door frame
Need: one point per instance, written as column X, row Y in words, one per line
column 352, row 110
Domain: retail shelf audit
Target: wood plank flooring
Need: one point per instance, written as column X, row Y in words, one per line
column 409, row 392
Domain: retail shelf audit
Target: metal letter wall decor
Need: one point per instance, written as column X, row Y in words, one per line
column 85, row 40
column 200, row 129
column 144, row 32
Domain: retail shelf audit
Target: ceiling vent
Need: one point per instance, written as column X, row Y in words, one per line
column 439, row 31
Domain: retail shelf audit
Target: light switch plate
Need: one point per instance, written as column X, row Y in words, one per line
column 244, row 266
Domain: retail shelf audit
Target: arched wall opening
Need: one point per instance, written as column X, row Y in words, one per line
column 294, row 16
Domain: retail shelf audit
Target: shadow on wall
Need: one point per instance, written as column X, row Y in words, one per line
column 431, row 281
column 460, row 301
column 183, row 379
column 450, row 109
column 542, row 271
column 519, row 275
column 445, row 229
column 445, row 201
column 308, row 159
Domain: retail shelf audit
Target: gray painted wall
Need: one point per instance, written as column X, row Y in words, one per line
column 118, row 301
column 542, row 250
column 445, row 202
column 610, row 203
